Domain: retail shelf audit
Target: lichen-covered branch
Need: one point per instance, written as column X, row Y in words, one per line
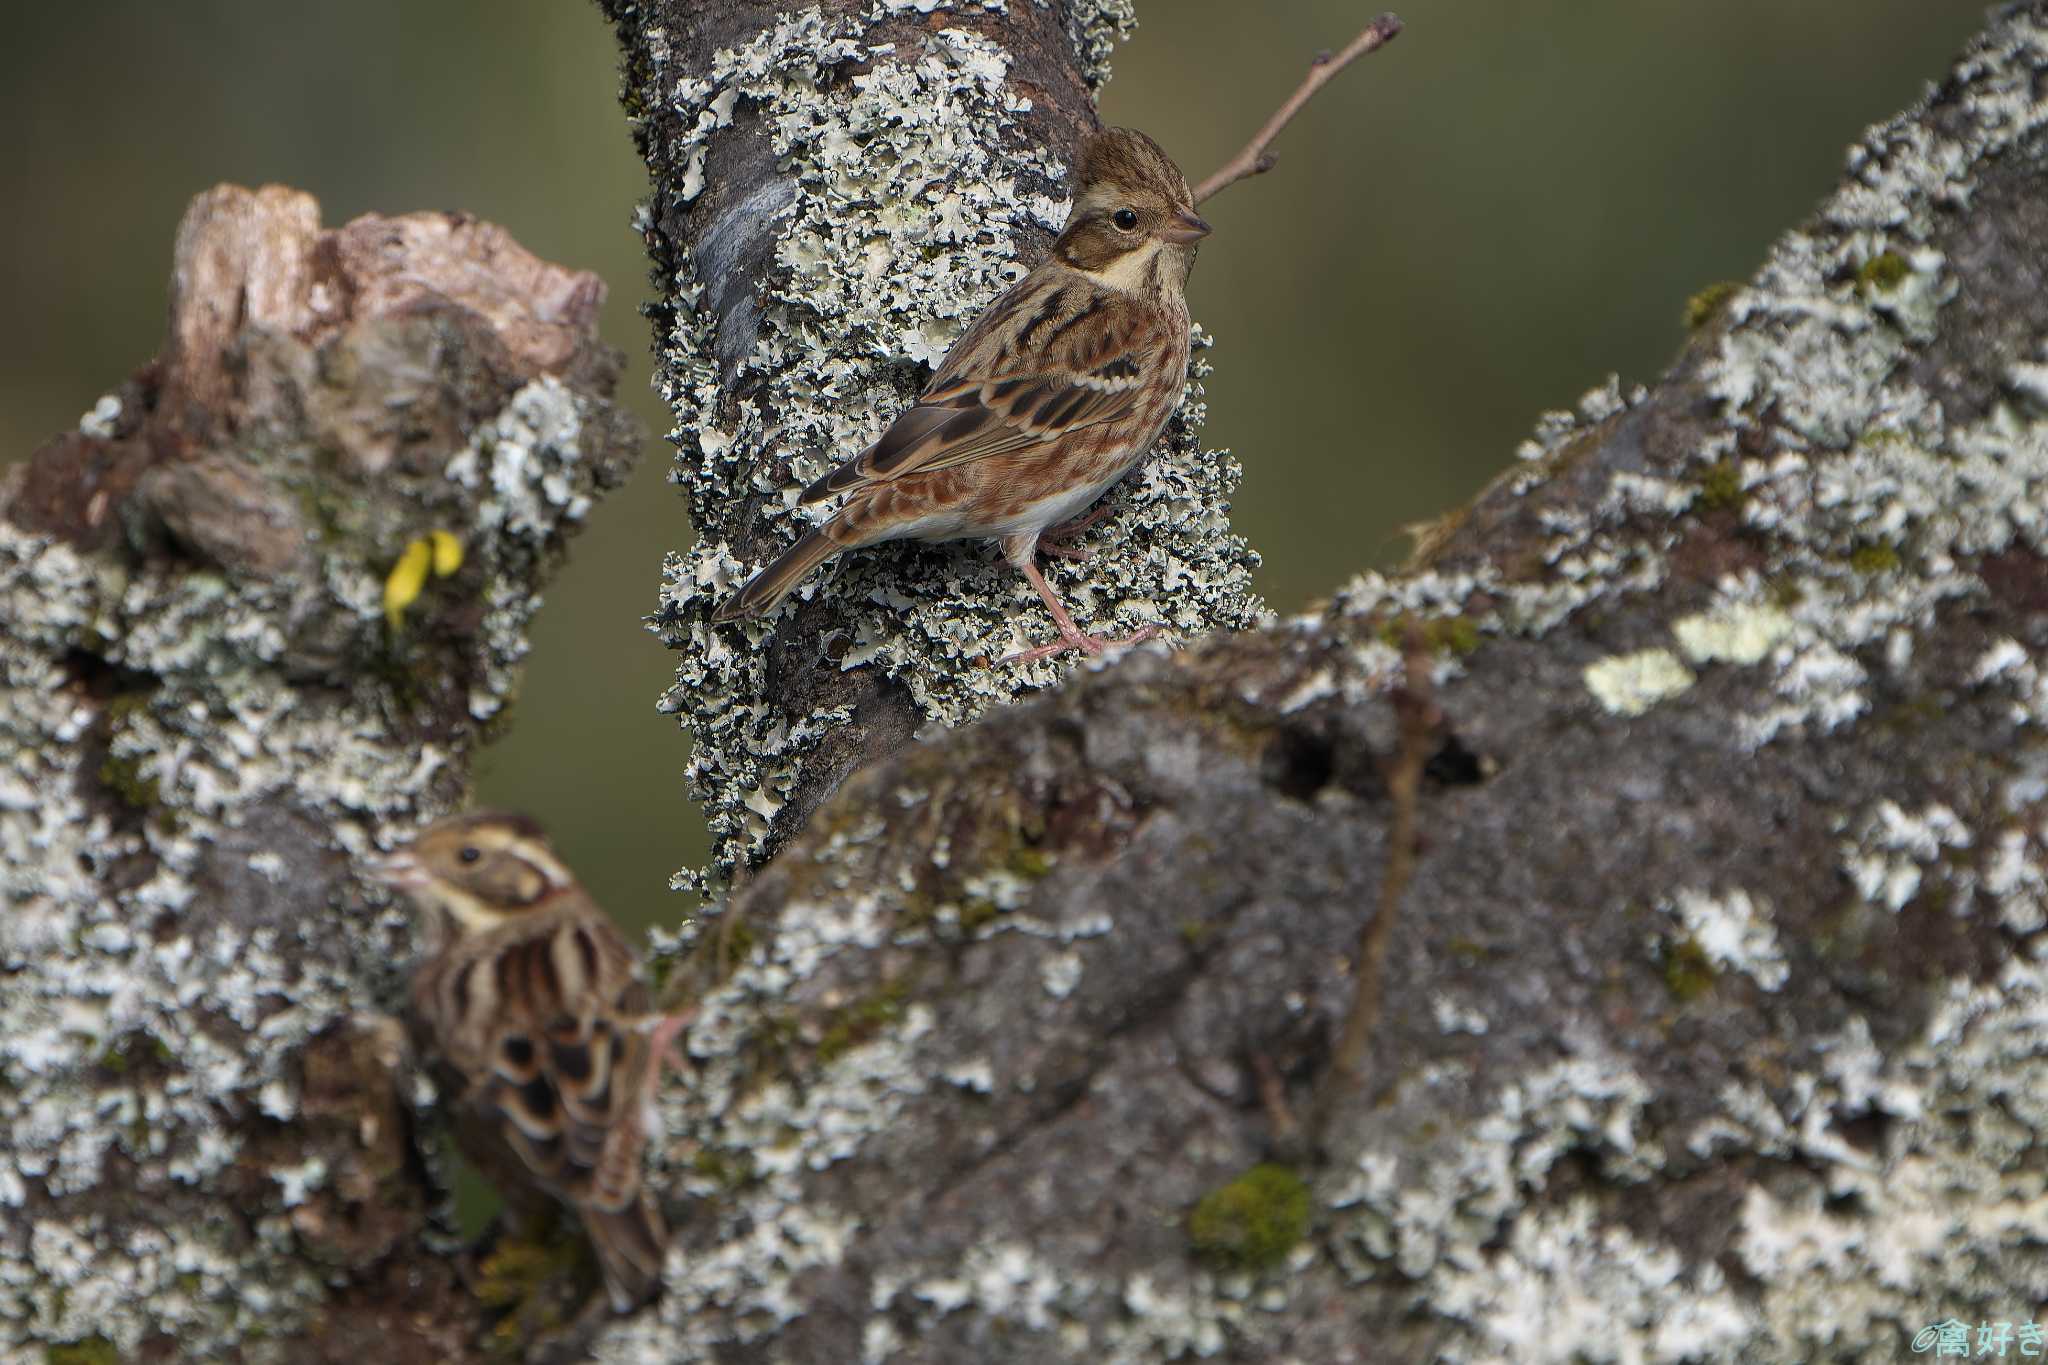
column 1714, row 1019
column 209, row 717
column 837, row 191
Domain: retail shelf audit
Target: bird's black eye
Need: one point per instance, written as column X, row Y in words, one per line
column 470, row 854
column 1125, row 218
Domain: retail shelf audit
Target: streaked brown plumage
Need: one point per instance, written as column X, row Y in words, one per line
column 1046, row 401
column 532, row 1007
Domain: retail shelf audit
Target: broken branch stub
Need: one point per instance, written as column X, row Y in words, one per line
column 208, row 722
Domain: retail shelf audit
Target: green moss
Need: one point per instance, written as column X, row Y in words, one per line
column 318, row 511
column 132, row 1049
column 661, row 966
column 1440, row 634
column 1469, row 951
column 123, row 776
column 727, row 1170
column 1253, row 1222
column 515, row 1278
column 1688, row 972
column 1028, row 862
column 1195, row 933
column 91, row 1351
column 1703, row 307
column 977, row 913
column 1874, row 558
column 859, row 1022
column 1885, row 271
column 739, row 945
column 1721, row 486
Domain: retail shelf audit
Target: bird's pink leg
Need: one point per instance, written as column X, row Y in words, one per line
column 663, row 1036
column 1055, row 541
column 1071, row 635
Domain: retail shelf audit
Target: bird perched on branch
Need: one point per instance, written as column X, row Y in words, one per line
column 1053, row 394
column 532, row 1008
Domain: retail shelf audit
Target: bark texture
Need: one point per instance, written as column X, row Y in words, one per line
column 214, row 706
column 1715, row 1011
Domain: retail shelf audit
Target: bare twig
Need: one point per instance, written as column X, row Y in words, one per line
column 1255, row 159
column 1285, row 1129
column 1420, row 721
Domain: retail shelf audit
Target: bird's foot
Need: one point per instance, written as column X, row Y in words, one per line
column 664, row 1037
column 1087, row 644
column 1079, row 554
column 1058, row 542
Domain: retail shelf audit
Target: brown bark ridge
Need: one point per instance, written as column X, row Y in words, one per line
column 216, row 702
column 837, row 191
column 1713, row 1021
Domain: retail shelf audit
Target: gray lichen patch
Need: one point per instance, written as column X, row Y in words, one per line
column 196, row 748
column 1095, row 28
column 1861, row 1243
column 906, row 199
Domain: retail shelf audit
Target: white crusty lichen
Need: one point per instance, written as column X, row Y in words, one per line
column 164, row 765
column 1936, row 1215
column 1873, row 510
column 1630, row 684
column 1095, row 27
column 1891, row 850
column 908, row 201
column 1733, row 931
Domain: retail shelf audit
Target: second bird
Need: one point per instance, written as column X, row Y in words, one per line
column 542, row 1034
column 1053, row 394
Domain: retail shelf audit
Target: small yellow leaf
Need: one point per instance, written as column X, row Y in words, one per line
column 447, row 552
column 408, row 576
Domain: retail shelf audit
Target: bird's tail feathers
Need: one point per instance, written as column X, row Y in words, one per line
column 630, row 1243
column 767, row 588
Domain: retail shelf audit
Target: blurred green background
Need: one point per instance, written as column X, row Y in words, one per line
column 1481, row 221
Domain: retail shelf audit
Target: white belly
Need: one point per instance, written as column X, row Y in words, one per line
column 1052, row 511
column 956, row 524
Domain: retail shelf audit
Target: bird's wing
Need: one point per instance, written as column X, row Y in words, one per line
column 1039, row 364
column 565, row 1061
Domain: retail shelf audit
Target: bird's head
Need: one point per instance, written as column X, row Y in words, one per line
column 482, row 868
column 1133, row 224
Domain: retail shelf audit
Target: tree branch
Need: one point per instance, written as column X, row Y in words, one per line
column 1256, row 159
column 1421, row 725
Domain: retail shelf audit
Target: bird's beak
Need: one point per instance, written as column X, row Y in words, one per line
column 1185, row 227
column 399, row 869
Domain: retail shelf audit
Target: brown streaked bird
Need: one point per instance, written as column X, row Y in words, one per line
column 541, row 1030
column 1053, row 394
